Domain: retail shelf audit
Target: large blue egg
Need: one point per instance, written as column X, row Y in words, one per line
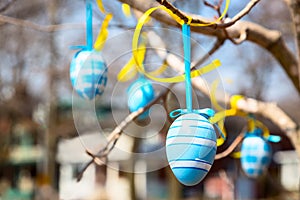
column 88, row 73
column 255, row 155
column 140, row 93
column 191, row 148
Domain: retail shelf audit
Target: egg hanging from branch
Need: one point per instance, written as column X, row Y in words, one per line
column 140, row 93
column 88, row 73
column 191, row 147
column 255, row 154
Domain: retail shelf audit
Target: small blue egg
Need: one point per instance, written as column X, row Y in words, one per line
column 255, row 155
column 88, row 73
column 140, row 93
column 191, row 148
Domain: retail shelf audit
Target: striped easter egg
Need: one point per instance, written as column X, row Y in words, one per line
column 140, row 93
column 191, row 148
column 88, row 73
column 255, row 155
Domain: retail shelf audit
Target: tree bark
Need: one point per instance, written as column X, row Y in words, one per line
column 294, row 6
column 51, row 136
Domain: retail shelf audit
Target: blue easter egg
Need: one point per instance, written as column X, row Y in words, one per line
column 255, row 155
column 140, row 93
column 191, row 148
column 88, row 73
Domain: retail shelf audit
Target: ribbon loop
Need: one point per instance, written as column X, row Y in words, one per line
column 206, row 112
column 176, row 113
column 274, row 138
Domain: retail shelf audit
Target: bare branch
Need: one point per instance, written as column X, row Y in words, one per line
column 270, row 40
column 294, row 9
column 31, row 25
column 217, row 8
column 232, row 146
column 200, row 20
column 7, row 5
column 273, row 112
column 116, row 133
column 241, row 14
column 266, row 109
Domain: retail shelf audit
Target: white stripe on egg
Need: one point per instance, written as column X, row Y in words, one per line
column 190, row 140
column 189, row 164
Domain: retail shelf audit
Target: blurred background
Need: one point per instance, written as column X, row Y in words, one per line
column 45, row 127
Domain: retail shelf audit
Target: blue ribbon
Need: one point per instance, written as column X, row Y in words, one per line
column 89, row 24
column 89, row 29
column 186, row 33
column 271, row 138
column 274, row 138
column 206, row 112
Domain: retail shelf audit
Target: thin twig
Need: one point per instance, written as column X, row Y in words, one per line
column 232, row 146
column 51, row 28
column 176, row 11
column 182, row 15
column 198, row 20
column 240, row 15
column 217, row 8
column 6, row 6
column 116, row 133
column 43, row 28
column 216, row 46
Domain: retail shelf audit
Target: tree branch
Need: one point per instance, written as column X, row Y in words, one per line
column 270, row 40
column 201, row 20
column 273, row 112
column 266, row 109
column 34, row 26
column 294, row 6
column 6, row 6
column 116, row 133
column 232, row 146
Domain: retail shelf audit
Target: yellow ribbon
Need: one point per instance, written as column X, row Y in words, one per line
column 126, row 9
column 100, row 6
column 252, row 124
column 234, row 101
column 213, row 96
column 135, row 50
column 236, row 154
column 219, row 19
column 128, row 72
column 234, row 111
column 103, row 33
column 216, row 105
column 130, row 69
